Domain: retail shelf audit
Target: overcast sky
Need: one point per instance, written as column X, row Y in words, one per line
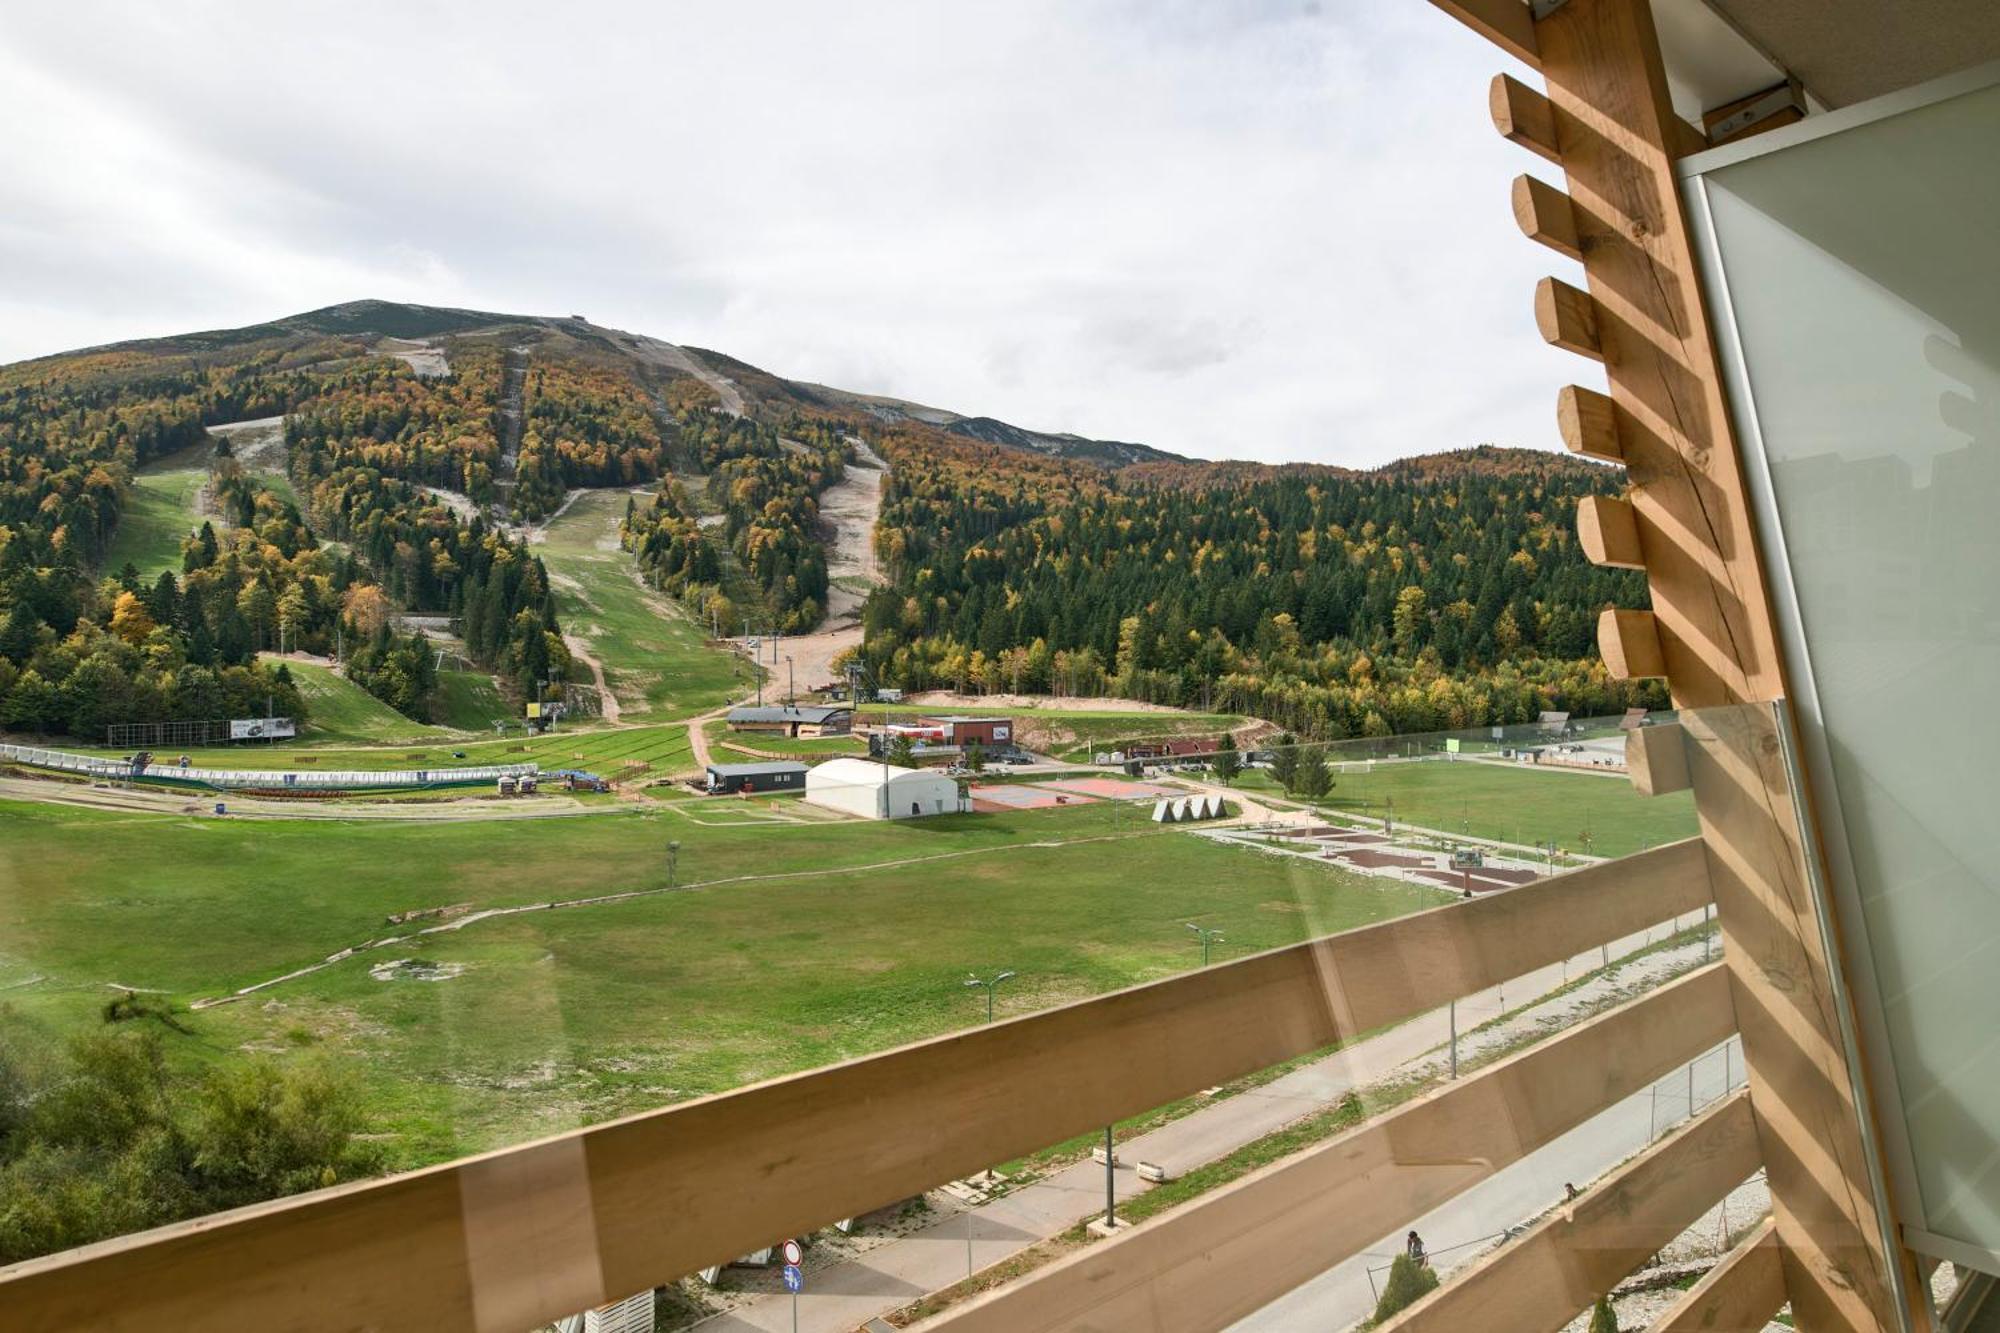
column 1275, row 231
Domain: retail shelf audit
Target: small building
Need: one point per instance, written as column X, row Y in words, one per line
column 772, row 775
column 793, row 719
column 881, row 791
column 989, row 732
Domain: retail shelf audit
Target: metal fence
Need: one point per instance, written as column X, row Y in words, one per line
column 257, row 779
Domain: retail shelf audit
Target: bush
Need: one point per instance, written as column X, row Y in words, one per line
column 1603, row 1319
column 1409, row 1281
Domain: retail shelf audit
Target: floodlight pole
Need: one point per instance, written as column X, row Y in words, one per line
column 1208, row 937
column 1110, row 1183
column 990, row 987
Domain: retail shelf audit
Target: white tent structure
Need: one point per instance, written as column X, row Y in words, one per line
column 880, row 791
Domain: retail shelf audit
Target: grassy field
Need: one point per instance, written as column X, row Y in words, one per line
column 654, row 657
column 832, row 940
column 158, row 512
column 737, row 744
column 471, row 701
column 1510, row 802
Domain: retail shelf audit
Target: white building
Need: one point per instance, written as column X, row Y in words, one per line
column 880, row 791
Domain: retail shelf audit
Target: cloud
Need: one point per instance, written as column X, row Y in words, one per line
column 1265, row 230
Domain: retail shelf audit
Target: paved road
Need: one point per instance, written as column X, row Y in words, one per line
column 841, row 1297
column 1453, row 1233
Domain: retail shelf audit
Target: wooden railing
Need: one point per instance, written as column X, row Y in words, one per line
column 522, row 1236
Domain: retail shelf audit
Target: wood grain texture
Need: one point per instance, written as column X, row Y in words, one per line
column 1523, row 116
column 1656, row 757
column 1608, row 533
column 1229, row 1253
column 1567, row 317
column 1629, row 643
column 1588, row 423
column 1544, row 216
column 1836, row 1259
column 1617, row 136
column 1738, row 1295
column 522, row 1236
column 1542, row 1280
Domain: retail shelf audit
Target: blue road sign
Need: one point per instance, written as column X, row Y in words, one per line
column 795, row 1280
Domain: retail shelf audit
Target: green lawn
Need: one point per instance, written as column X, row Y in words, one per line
column 158, row 512
column 654, row 657
column 721, row 739
column 1511, row 802
column 829, row 949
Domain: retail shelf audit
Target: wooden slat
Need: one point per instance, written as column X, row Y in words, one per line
column 1629, row 643
column 1616, row 132
column 1738, row 1295
column 1588, row 422
column 1567, row 318
column 1656, row 757
column 1542, row 1280
column 1543, row 214
column 1234, row 1251
column 1606, row 532
column 1523, row 116
column 522, row 1236
column 1828, row 1228
column 1790, row 109
column 1505, row 23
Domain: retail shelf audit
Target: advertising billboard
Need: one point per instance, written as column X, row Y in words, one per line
column 261, row 728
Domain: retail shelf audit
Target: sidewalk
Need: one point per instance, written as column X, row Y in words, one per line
column 841, row 1297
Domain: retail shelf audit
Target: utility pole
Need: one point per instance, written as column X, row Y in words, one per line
column 1110, row 1183
column 1208, row 937
column 791, row 682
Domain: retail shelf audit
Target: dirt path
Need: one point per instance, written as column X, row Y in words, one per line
column 697, row 742
column 849, row 509
column 607, row 701
column 676, row 358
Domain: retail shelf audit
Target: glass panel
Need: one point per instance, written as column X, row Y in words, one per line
column 1861, row 270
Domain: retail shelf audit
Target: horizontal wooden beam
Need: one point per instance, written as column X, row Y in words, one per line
column 1588, row 422
column 1544, row 214
column 1738, row 1295
column 1567, row 317
column 1656, row 757
column 1579, row 1253
column 1507, row 24
column 1523, row 116
column 1608, row 532
column 1227, row 1254
column 1629, row 643
column 522, row 1236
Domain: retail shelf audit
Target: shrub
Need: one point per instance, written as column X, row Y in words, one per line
column 1409, row 1281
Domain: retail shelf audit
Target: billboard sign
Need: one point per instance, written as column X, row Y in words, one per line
column 262, row 728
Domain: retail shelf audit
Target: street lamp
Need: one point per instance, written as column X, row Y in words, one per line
column 991, row 986
column 1208, row 937
column 673, row 862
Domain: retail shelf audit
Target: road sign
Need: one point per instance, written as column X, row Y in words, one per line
column 793, row 1253
column 795, row 1281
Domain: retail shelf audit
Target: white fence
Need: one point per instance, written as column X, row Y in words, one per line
column 261, row 779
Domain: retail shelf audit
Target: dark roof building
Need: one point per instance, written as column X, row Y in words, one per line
column 793, row 719
column 770, row 775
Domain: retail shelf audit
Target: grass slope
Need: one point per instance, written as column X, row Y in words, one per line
column 160, row 510
column 470, row 701
column 568, row 1016
column 654, row 657
column 340, row 711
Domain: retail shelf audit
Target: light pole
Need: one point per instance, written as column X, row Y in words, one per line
column 990, row 987
column 673, row 862
column 791, row 683
column 1208, row 937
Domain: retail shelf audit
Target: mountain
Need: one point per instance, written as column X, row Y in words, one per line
column 384, row 324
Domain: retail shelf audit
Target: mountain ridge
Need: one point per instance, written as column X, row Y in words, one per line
column 397, row 321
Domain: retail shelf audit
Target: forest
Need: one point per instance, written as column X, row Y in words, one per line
column 1445, row 592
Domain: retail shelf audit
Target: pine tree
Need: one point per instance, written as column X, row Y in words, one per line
column 1603, row 1319
column 1409, row 1281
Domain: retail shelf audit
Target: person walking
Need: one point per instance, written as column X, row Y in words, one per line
column 1413, row 1245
